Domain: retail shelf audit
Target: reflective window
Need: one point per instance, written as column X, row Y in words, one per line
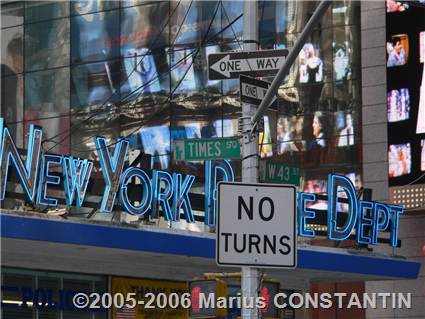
column 11, row 51
column 156, row 142
column 346, row 59
column 47, row 105
column 195, row 22
column 182, row 70
column 141, row 28
column 95, row 84
column 346, row 12
column 45, row 10
column 47, row 45
column 93, row 36
column 231, row 20
column 12, row 14
column 12, row 105
column 144, row 74
column 90, row 6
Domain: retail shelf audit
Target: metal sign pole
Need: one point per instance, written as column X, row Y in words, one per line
column 250, row 275
column 250, row 117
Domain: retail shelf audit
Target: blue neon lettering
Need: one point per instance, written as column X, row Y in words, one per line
column 27, row 174
column 335, row 181
column 304, row 213
column 380, row 210
column 111, row 170
column 76, row 175
column 396, row 211
column 181, row 197
column 161, row 196
column 145, row 201
column 364, row 236
column 46, row 179
column 212, row 168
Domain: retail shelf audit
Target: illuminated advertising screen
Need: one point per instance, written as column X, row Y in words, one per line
column 405, row 92
column 310, row 64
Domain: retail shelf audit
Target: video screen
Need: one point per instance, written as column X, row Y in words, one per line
column 398, row 50
column 422, row 47
column 344, row 128
column 156, row 142
column 316, row 186
column 182, row 73
column 289, row 134
column 420, row 126
column 396, row 6
column 265, row 140
column 423, row 155
column 141, row 71
column 398, row 105
column 310, row 64
column 399, row 160
column 342, row 68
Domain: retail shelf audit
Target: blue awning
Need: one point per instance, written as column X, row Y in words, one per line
column 179, row 243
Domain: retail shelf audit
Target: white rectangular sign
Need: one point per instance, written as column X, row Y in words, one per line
column 256, row 225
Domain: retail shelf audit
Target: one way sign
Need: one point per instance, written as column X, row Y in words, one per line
column 230, row 65
column 253, row 91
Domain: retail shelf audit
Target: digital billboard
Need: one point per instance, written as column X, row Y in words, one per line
column 405, row 92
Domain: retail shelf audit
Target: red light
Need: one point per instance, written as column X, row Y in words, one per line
column 194, row 298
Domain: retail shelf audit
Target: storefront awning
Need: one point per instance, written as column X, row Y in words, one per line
column 150, row 252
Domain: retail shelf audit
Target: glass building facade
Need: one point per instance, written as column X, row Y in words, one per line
column 138, row 69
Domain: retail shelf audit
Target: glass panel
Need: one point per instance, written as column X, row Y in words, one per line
column 156, row 142
column 93, row 36
column 346, row 55
column 47, row 105
column 182, row 71
column 77, row 286
column 347, row 94
column 47, row 45
column 141, row 28
column 84, row 7
column 12, row 14
column 95, row 84
column 12, row 106
column 296, row 14
column 195, row 22
column 45, row 10
column 12, row 296
column 48, row 285
column 230, row 12
column 346, row 12
column 144, row 74
column 94, row 94
column 11, row 51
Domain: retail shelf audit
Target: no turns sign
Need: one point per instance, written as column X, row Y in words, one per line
column 256, row 225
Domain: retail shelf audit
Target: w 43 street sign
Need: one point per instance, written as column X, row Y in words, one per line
column 230, row 65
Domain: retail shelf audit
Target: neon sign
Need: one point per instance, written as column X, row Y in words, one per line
column 170, row 192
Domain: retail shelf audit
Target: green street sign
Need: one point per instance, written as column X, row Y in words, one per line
column 207, row 149
column 274, row 172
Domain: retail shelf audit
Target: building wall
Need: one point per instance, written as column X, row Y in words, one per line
column 375, row 163
column 374, row 99
column 412, row 235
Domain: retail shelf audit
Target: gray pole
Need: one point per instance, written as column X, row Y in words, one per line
column 250, row 277
column 290, row 59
